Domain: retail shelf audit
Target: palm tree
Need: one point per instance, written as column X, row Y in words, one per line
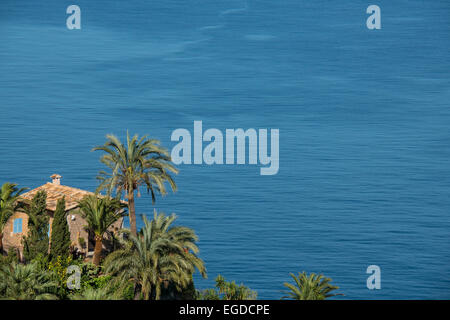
column 100, row 213
column 26, row 282
column 231, row 291
column 312, row 287
column 141, row 162
column 9, row 194
column 161, row 255
column 225, row 290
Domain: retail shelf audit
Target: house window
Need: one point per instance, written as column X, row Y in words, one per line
column 17, row 227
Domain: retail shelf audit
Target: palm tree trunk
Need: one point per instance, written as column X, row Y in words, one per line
column 97, row 249
column 132, row 212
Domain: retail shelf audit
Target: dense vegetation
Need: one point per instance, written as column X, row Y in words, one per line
column 156, row 262
column 60, row 238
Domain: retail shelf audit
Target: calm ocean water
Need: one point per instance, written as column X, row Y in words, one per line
column 363, row 116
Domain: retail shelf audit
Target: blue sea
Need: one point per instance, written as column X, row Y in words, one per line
column 364, row 120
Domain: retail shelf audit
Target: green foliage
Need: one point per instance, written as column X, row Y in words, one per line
column 161, row 255
column 95, row 294
column 91, row 276
column 59, row 267
column 60, row 238
column 97, row 282
column 102, row 287
column 43, row 279
column 9, row 194
column 227, row 291
column 26, row 282
column 127, row 291
column 312, row 287
column 89, row 272
column 58, row 270
column 37, row 239
column 41, row 261
column 208, row 294
column 171, row 292
column 11, row 257
column 97, row 286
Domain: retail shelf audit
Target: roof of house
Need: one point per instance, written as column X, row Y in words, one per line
column 56, row 191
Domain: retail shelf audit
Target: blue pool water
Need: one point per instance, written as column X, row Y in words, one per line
column 363, row 116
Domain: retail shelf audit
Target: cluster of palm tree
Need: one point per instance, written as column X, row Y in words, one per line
column 26, row 282
column 139, row 162
column 160, row 255
column 154, row 262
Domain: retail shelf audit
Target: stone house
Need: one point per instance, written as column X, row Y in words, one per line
column 82, row 240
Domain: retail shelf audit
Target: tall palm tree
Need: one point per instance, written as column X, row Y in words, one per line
column 312, row 287
column 140, row 162
column 159, row 256
column 100, row 213
column 9, row 194
column 26, row 282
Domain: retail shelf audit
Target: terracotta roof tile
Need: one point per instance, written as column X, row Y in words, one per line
column 56, row 192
